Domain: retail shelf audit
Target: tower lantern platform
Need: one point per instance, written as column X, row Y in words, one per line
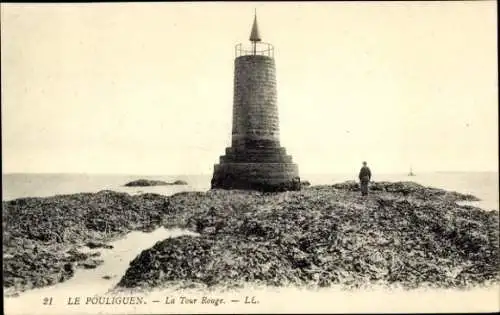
column 255, row 159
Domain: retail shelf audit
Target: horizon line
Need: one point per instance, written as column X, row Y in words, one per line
column 210, row 174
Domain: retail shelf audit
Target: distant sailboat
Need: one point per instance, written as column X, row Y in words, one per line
column 411, row 172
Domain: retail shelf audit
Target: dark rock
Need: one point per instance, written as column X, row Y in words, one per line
column 75, row 255
column 179, row 182
column 93, row 245
column 145, row 182
column 149, row 182
column 69, row 268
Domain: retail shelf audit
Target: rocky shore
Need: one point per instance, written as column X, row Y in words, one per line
column 402, row 234
column 42, row 236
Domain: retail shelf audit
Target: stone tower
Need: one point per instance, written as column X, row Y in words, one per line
column 255, row 159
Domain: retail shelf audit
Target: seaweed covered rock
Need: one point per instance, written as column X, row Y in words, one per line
column 411, row 189
column 38, row 232
column 149, row 182
column 209, row 261
column 44, row 269
column 402, row 233
column 179, row 182
column 324, row 236
column 146, row 182
column 305, row 183
column 44, row 265
column 86, row 216
column 350, row 185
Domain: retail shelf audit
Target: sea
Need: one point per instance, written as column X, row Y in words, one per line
column 484, row 185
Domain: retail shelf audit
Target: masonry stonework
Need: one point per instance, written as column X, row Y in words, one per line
column 255, row 114
column 255, row 159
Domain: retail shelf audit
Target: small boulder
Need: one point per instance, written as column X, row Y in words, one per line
column 179, row 182
column 145, row 182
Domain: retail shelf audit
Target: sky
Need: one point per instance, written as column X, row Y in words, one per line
column 147, row 88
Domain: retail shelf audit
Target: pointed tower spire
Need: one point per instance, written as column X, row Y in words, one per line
column 254, row 35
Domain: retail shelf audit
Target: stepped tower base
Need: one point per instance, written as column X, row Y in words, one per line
column 268, row 169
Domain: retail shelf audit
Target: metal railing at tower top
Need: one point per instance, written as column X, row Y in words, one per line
column 256, row 48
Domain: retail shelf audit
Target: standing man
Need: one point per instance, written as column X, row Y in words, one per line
column 365, row 176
